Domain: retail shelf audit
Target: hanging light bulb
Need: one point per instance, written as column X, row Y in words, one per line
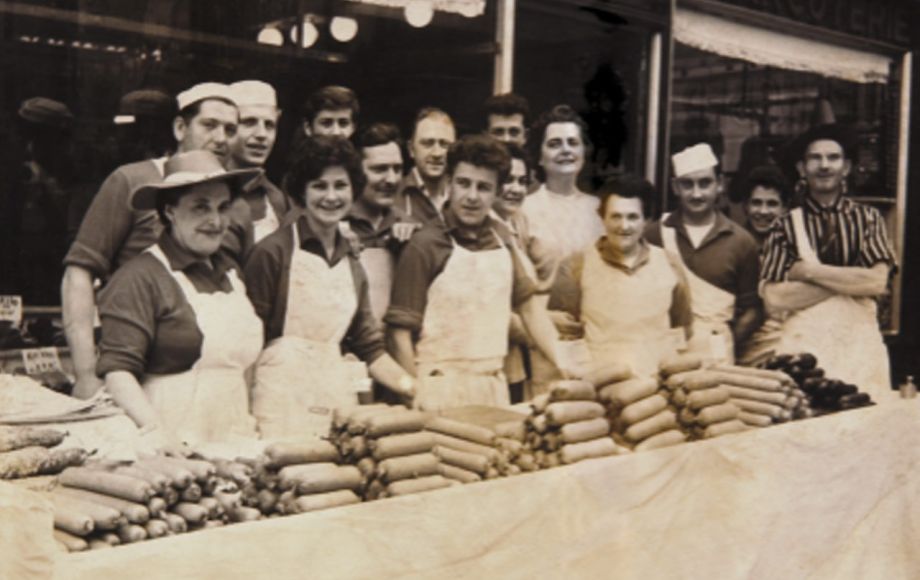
column 343, row 29
column 309, row 34
column 270, row 35
column 419, row 13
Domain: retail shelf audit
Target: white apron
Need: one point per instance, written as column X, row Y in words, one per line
column 301, row 376
column 713, row 308
column 627, row 317
column 268, row 224
column 464, row 336
column 841, row 331
column 208, row 405
column 379, row 265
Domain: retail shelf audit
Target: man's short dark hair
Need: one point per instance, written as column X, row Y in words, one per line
column 518, row 152
column 628, row 186
column 769, row 177
column 331, row 98
column 558, row 114
column 480, row 151
column 432, row 113
column 315, row 155
column 507, row 104
column 380, row 134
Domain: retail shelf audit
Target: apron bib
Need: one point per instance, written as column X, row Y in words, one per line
column 379, row 265
column 464, row 336
column 627, row 317
column 208, row 405
column 267, row 225
column 301, row 376
column 713, row 309
column 841, row 331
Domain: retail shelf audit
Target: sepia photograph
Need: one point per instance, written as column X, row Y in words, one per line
column 459, row 289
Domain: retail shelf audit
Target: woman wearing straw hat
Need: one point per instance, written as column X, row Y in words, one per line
column 312, row 293
column 178, row 331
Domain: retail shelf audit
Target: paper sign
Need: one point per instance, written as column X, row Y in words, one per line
column 11, row 309
column 41, row 360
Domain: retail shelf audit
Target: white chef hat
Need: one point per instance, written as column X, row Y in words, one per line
column 248, row 93
column 699, row 156
column 203, row 91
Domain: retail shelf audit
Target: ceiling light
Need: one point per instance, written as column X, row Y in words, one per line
column 309, row 34
column 419, row 13
column 270, row 35
column 343, row 28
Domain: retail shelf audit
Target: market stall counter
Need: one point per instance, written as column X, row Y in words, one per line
column 832, row 497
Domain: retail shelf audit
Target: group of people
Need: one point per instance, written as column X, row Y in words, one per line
column 234, row 307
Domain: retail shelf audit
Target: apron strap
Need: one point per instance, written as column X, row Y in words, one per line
column 802, row 243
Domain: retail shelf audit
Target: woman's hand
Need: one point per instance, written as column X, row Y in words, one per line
column 163, row 442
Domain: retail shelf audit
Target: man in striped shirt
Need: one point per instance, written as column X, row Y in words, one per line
column 825, row 264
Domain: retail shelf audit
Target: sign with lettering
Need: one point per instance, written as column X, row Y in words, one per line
column 41, row 360
column 11, row 309
column 883, row 20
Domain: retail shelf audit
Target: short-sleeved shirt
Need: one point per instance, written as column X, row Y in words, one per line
column 567, row 288
column 268, row 274
column 112, row 232
column 424, row 258
column 861, row 240
column 414, row 201
column 148, row 326
column 727, row 257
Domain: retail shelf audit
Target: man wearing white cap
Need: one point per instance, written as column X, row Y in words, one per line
column 112, row 232
column 718, row 256
column 250, row 148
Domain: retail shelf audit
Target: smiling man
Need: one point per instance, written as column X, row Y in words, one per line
column 766, row 197
column 826, row 263
column 629, row 294
column 379, row 225
column 719, row 258
column 264, row 203
column 112, row 232
column 507, row 118
column 423, row 192
column 455, row 287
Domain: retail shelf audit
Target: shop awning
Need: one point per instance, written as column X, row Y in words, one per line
column 468, row 8
column 766, row 47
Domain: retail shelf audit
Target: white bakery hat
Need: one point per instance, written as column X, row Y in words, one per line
column 699, row 156
column 250, row 93
column 203, row 91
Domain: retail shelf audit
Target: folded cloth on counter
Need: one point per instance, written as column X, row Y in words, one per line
column 27, row 549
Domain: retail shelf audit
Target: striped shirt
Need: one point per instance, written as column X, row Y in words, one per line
column 861, row 238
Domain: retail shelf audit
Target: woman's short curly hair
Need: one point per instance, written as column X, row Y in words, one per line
column 315, row 155
column 558, row 114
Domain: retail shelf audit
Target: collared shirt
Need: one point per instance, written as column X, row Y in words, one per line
column 259, row 192
column 111, row 232
column 424, row 258
column 268, row 273
column 148, row 325
column 727, row 258
column 861, row 238
column 415, row 201
column 379, row 235
column 567, row 289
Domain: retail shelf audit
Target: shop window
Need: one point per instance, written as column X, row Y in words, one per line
column 596, row 61
column 750, row 99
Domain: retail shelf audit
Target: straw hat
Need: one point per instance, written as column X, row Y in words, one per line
column 191, row 168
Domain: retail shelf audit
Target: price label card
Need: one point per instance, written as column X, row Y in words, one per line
column 41, row 360
column 11, row 309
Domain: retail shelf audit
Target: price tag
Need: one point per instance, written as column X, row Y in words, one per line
column 11, row 309
column 41, row 360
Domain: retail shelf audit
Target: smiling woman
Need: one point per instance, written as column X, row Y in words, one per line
column 169, row 354
column 311, row 291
